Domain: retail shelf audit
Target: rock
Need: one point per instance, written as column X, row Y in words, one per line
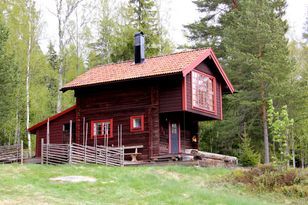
column 74, row 179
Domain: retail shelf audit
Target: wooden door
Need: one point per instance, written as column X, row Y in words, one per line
column 174, row 138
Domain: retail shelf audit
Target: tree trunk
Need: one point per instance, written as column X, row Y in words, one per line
column 28, row 80
column 17, row 127
column 265, row 135
column 60, row 83
column 293, row 155
column 287, row 154
column 293, row 150
column 265, row 125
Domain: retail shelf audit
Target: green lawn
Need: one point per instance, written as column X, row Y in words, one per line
column 30, row 184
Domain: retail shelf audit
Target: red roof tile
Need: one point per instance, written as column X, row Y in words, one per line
column 155, row 66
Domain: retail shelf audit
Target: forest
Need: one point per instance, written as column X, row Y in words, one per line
column 264, row 121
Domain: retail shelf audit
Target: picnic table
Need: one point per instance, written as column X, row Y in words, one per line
column 134, row 153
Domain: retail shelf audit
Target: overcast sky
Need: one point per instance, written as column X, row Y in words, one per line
column 180, row 12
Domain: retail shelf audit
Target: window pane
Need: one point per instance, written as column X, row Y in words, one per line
column 97, row 128
column 173, row 128
column 137, row 123
column 106, row 129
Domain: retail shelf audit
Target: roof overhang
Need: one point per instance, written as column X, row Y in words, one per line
column 209, row 53
column 64, row 89
column 36, row 126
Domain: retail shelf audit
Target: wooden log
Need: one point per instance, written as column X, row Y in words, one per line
column 213, row 156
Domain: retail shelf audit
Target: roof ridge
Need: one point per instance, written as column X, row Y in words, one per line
column 159, row 56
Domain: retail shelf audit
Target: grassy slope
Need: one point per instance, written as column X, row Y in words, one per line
column 30, row 184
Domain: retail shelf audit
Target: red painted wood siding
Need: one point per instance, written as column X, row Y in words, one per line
column 56, row 131
column 119, row 102
column 170, row 95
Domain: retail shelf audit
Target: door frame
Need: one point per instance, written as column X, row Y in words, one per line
column 179, row 136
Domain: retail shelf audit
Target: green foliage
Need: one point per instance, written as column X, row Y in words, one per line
column 42, row 74
column 208, row 30
column 249, row 37
column 118, row 26
column 248, row 157
column 280, row 126
column 7, row 87
column 269, row 178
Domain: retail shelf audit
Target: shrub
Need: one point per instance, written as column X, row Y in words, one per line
column 270, row 178
column 248, row 157
column 295, row 191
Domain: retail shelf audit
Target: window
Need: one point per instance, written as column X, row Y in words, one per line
column 102, row 128
column 203, row 91
column 136, row 123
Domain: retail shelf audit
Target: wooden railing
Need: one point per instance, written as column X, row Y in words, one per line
column 11, row 153
column 76, row 153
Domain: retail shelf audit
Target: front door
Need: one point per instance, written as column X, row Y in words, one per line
column 174, row 138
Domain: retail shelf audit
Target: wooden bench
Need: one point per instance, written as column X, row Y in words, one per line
column 135, row 153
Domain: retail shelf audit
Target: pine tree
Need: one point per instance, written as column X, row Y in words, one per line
column 257, row 59
column 117, row 31
column 51, row 80
column 208, row 30
column 249, row 36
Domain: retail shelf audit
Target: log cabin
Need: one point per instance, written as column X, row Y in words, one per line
column 158, row 102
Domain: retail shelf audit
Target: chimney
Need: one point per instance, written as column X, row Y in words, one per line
column 139, row 47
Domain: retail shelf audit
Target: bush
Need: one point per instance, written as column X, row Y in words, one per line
column 270, row 178
column 248, row 157
column 295, row 191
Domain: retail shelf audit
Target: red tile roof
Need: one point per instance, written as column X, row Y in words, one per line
column 155, row 66
column 34, row 127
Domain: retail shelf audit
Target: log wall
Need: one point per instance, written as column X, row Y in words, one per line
column 57, row 136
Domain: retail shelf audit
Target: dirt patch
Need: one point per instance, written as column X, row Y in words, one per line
column 73, row 179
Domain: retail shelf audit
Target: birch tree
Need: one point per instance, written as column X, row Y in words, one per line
column 64, row 10
column 31, row 34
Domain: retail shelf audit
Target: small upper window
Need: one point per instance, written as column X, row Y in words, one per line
column 136, row 123
column 101, row 128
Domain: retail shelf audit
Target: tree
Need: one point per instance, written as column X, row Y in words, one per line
column 248, row 36
column 248, row 157
column 280, row 126
column 32, row 22
column 298, row 98
column 30, row 63
column 51, row 80
column 258, row 64
column 117, row 29
column 144, row 16
column 64, row 10
column 7, row 87
column 108, row 29
column 208, row 30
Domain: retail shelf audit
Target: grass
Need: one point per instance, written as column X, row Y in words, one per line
column 30, row 184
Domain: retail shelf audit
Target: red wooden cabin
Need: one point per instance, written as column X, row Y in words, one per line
column 158, row 101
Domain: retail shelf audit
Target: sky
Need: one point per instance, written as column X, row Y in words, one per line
column 177, row 13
